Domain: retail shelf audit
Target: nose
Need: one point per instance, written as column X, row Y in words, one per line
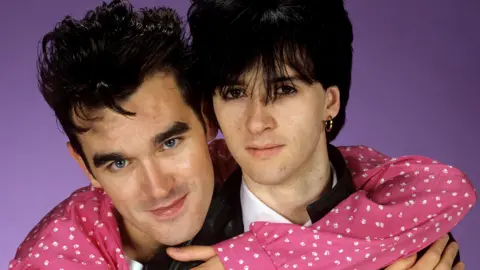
column 258, row 117
column 157, row 182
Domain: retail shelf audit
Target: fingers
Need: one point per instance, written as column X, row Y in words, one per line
column 191, row 253
column 446, row 262
column 403, row 264
column 432, row 257
column 459, row 266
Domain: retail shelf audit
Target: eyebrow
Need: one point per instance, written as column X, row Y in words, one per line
column 101, row 159
column 178, row 128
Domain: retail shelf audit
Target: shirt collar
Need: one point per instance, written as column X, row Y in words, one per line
column 253, row 209
column 337, row 194
column 134, row 265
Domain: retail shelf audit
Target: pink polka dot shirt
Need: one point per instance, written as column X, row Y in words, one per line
column 402, row 205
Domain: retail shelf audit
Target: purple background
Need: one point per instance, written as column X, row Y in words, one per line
column 415, row 90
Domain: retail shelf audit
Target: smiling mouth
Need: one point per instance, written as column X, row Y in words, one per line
column 170, row 211
column 264, row 152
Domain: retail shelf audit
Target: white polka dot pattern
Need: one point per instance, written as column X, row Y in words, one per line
column 401, row 207
column 79, row 233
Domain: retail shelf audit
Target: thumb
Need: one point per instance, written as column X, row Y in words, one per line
column 191, row 253
column 403, row 264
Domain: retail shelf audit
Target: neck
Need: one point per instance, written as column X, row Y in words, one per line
column 136, row 244
column 298, row 190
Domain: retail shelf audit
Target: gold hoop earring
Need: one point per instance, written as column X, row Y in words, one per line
column 329, row 124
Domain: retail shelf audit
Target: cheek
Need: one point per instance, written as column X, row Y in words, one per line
column 196, row 172
column 230, row 117
column 194, row 161
column 123, row 196
column 300, row 117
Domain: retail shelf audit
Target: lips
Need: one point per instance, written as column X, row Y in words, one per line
column 170, row 211
column 265, row 151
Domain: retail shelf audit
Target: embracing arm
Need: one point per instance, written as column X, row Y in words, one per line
column 403, row 206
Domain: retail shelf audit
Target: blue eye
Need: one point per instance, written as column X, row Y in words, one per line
column 118, row 164
column 171, row 143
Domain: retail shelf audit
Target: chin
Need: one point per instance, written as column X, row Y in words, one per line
column 183, row 230
column 175, row 237
column 267, row 178
column 173, row 242
column 275, row 176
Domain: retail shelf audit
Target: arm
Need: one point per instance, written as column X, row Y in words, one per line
column 53, row 251
column 78, row 233
column 53, row 262
column 405, row 205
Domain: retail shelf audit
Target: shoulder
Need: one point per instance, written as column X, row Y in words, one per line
column 371, row 169
column 84, row 219
column 360, row 158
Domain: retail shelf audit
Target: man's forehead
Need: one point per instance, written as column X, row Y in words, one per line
column 157, row 100
column 127, row 134
column 111, row 124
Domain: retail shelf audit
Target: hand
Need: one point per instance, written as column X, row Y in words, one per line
column 438, row 257
column 197, row 253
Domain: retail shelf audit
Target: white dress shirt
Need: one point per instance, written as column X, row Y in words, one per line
column 253, row 209
column 134, row 265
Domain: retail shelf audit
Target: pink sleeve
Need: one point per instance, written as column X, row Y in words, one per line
column 61, row 246
column 79, row 233
column 406, row 205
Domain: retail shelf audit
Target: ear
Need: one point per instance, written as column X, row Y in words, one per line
column 83, row 166
column 209, row 118
column 332, row 102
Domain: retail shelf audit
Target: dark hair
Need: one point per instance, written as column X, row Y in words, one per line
column 314, row 37
column 101, row 60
